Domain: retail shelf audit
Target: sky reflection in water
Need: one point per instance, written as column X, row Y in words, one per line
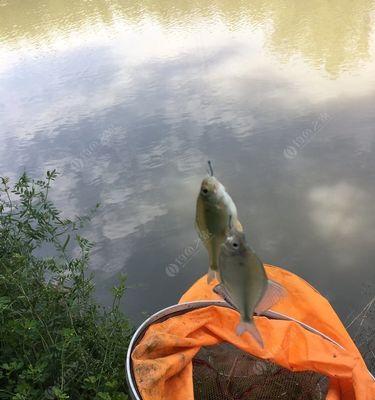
column 128, row 100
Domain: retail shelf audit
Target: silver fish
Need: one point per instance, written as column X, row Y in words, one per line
column 244, row 283
column 214, row 208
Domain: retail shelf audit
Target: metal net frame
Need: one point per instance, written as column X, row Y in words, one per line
column 225, row 372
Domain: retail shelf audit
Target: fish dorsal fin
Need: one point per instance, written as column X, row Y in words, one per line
column 273, row 294
column 230, row 222
column 238, row 226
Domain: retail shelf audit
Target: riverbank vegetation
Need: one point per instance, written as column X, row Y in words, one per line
column 56, row 341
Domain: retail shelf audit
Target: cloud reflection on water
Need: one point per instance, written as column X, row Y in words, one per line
column 162, row 94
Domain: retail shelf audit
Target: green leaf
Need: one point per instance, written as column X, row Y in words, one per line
column 57, row 342
column 103, row 396
column 59, row 394
column 4, row 303
column 66, row 242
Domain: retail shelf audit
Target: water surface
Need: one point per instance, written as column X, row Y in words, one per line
column 129, row 99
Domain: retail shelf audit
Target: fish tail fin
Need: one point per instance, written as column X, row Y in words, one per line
column 213, row 266
column 249, row 326
column 211, row 275
column 213, row 262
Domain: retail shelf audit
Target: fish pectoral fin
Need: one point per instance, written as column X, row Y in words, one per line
column 202, row 234
column 250, row 327
column 222, row 292
column 273, row 294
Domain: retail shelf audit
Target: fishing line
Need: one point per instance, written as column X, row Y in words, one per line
column 210, row 170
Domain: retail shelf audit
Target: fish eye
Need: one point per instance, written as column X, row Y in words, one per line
column 235, row 245
column 204, row 190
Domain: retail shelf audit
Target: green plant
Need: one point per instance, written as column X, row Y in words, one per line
column 56, row 342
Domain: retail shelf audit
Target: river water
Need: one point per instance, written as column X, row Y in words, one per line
column 128, row 100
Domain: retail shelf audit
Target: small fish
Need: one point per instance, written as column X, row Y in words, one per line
column 244, row 283
column 214, row 208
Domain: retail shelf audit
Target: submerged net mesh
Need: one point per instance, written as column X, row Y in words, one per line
column 225, row 372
